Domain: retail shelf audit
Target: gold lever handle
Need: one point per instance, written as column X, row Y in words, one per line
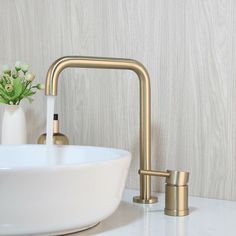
column 154, row 173
column 176, row 190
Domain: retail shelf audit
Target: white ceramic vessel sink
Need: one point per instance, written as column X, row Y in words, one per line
column 61, row 190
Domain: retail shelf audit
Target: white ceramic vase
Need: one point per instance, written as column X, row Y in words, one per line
column 14, row 125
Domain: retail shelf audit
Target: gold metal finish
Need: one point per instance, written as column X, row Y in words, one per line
column 145, row 107
column 176, row 190
column 55, row 126
column 154, row 173
column 178, row 178
column 176, row 181
column 176, row 200
column 138, row 199
column 58, row 138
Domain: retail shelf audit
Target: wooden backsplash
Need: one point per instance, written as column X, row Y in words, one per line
column 189, row 49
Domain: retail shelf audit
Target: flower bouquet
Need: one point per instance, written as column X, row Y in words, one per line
column 15, row 85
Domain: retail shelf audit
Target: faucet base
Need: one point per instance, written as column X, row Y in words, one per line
column 176, row 212
column 138, row 199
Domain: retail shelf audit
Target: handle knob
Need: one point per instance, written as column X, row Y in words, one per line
column 176, row 198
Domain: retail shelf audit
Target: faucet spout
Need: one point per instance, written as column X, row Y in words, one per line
column 145, row 107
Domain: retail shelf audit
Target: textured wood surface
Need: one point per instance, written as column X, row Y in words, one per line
column 188, row 48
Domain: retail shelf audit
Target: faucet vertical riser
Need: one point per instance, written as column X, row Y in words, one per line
column 145, row 104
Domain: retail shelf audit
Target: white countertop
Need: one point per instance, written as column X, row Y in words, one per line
column 208, row 217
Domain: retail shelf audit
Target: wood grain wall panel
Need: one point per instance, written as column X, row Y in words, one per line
column 188, row 48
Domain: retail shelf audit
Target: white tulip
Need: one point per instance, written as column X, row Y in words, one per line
column 18, row 65
column 24, row 67
column 30, row 77
column 41, row 86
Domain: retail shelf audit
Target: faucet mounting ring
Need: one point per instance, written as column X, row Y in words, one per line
column 138, row 199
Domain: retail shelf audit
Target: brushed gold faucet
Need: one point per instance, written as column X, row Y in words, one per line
column 176, row 182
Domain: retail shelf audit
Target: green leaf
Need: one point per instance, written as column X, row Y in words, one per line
column 28, row 93
column 18, row 87
column 4, row 95
column 2, row 100
column 15, row 94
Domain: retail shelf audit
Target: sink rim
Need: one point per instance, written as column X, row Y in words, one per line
column 117, row 154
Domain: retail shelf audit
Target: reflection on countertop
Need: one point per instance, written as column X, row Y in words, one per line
column 208, row 217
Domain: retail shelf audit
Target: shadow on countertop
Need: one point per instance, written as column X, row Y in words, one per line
column 124, row 215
